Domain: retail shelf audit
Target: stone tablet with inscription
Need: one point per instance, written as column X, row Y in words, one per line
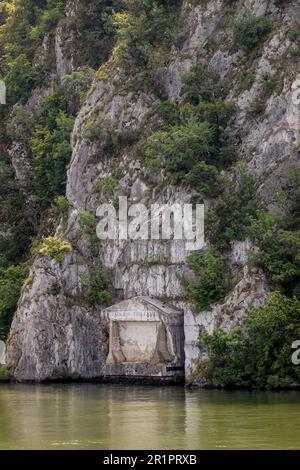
column 146, row 339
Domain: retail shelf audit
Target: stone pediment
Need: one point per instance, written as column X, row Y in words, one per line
column 143, row 309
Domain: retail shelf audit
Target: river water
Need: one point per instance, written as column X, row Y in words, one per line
column 96, row 416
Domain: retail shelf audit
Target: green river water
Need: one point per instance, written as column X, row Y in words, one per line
column 96, row 416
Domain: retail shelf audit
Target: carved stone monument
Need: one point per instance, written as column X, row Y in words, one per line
column 146, row 341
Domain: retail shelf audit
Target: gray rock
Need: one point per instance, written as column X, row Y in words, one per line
column 57, row 335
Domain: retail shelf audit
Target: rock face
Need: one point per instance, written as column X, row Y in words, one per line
column 250, row 292
column 53, row 338
column 60, row 334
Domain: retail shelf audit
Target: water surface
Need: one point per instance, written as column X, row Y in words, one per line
column 96, row 416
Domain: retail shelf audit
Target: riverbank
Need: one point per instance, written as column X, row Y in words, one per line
column 151, row 382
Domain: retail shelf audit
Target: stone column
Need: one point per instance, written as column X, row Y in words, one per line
column 115, row 354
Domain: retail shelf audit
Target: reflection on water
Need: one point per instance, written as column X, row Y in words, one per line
column 94, row 416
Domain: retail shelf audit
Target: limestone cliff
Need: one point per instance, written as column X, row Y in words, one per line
column 57, row 332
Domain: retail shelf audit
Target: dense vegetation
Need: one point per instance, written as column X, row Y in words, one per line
column 194, row 144
column 259, row 353
column 43, row 131
column 190, row 140
column 25, row 25
column 97, row 285
column 146, row 29
column 213, row 278
column 250, row 31
column 11, row 281
column 277, row 233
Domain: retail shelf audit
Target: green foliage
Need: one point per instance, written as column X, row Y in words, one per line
column 51, row 106
column 105, row 132
column 52, row 152
column 233, row 212
column 20, row 124
column 108, row 185
column 267, row 231
column 247, row 80
column 213, row 279
column 52, row 247
column 61, row 206
column 88, row 222
column 180, row 147
column 3, row 12
column 94, row 21
column 257, row 106
column 294, row 36
column 277, row 234
column 195, row 142
column 218, row 113
column 169, row 113
column 15, row 231
column 11, row 281
column 15, row 32
column 145, row 31
column 251, row 31
column 5, row 374
column 20, row 79
column 25, row 23
column 269, row 86
column 46, row 130
column 279, row 253
column 52, row 13
column 280, row 3
column 201, row 84
column 258, row 354
column 206, row 179
column 75, row 87
column 55, row 289
column 97, row 284
column 47, row 133
column 18, row 44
